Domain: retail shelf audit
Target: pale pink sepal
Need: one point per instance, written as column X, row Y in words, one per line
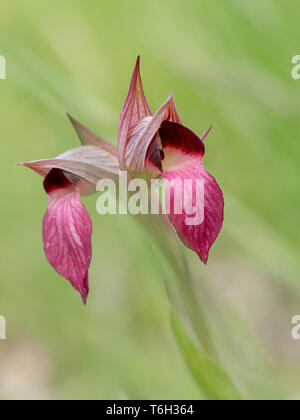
column 67, row 230
column 172, row 114
column 205, row 134
column 144, row 133
column 88, row 163
column 89, row 138
column 134, row 110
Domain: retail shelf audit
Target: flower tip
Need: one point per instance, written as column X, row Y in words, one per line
column 136, row 71
column 26, row 164
column 206, row 133
column 35, row 166
column 203, row 257
column 72, row 119
column 84, row 298
column 84, row 289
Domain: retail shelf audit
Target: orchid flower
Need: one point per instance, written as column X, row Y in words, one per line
column 67, row 227
column 155, row 144
column 160, row 143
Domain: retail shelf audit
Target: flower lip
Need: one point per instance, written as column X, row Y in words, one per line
column 67, row 230
column 55, row 180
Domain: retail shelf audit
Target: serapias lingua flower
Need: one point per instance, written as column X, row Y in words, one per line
column 67, row 227
column 156, row 144
column 159, row 143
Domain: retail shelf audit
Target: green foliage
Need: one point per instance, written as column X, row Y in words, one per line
column 211, row 378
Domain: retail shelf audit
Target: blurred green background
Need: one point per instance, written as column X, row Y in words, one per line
column 229, row 64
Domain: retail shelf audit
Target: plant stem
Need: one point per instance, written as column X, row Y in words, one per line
column 171, row 249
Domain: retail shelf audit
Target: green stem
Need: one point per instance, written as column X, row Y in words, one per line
column 168, row 243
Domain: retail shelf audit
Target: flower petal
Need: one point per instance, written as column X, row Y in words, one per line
column 67, row 230
column 88, row 163
column 134, row 110
column 142, row 147
column 172, row 114
column 88, row 138
column 178, row 138
column 183, row 152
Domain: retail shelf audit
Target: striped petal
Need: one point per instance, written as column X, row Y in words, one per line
column 88, row 138
column 87, row 163
column 67, row 230
column 200, row 219
column 142, row 147
column 134, row 110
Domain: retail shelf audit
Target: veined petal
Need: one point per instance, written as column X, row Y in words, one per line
column 67, row 230
column 88, row 138
column 142, row 148
column 88, row 163
column 172, row 114
column 134, row 110
column 182, row 164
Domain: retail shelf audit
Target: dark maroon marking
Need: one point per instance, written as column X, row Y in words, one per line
column 180, row 137
column 56, row 180
column 153, row 153
column 162, row 154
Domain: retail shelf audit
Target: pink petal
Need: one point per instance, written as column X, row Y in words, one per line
column 142, row 148
column 172, row 114
column 183, row 152
column 88, row 138
column 89, row 163
column 134, row 110
column 67, row 231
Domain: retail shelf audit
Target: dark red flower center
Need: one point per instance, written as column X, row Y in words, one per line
column 174, row 136
column 55, row 180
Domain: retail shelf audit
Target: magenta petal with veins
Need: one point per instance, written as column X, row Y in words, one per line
column 67, row 230
column 183, row 152
column 67, row 227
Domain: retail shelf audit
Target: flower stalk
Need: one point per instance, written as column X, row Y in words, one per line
column 185, row 297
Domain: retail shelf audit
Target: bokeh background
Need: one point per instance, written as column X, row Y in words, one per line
column 229, row 64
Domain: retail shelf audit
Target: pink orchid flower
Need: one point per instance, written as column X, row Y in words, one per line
column 67, row 227
column 157, row 144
